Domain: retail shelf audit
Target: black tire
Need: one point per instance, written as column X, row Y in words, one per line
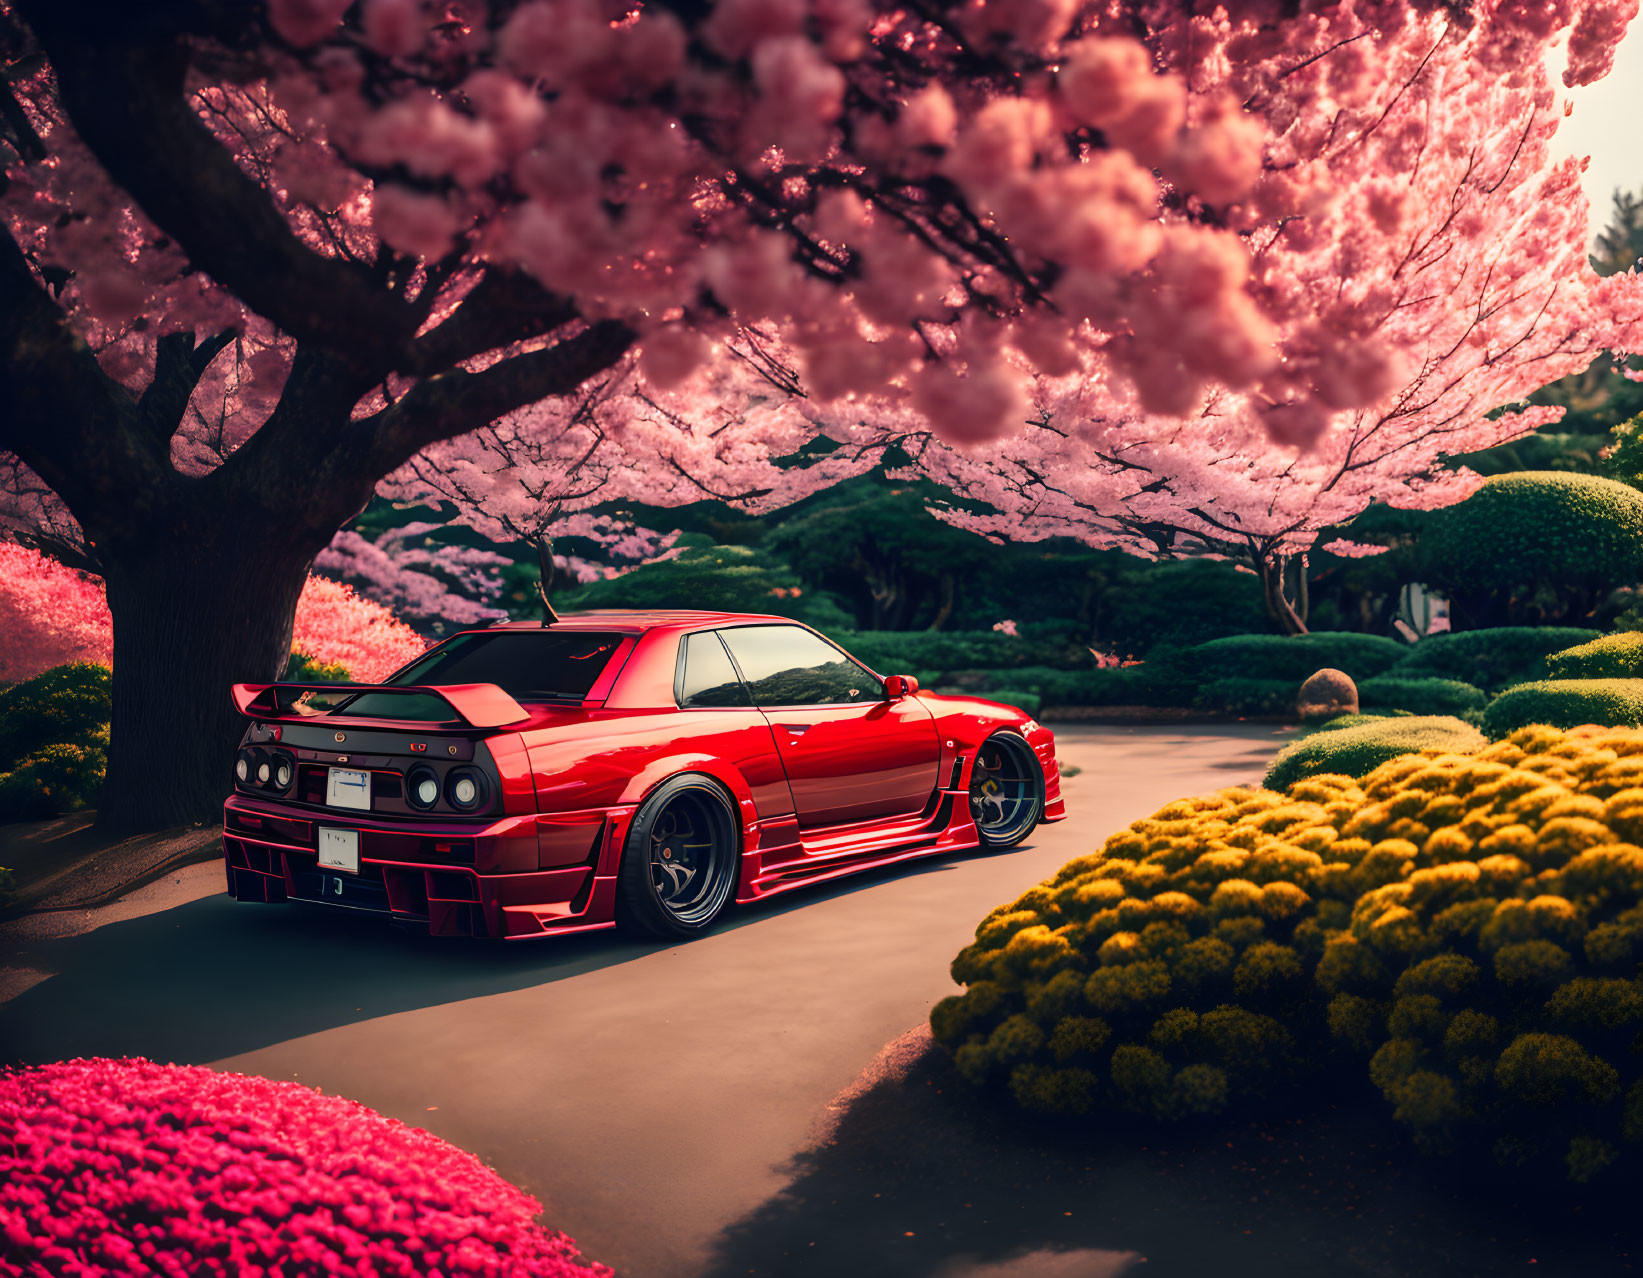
column 681, row 859
column 1006, row 791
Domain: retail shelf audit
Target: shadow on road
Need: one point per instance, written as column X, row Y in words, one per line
column 214, row 978
column 922, row 1179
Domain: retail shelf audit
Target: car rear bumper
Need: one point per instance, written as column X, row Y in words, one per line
column 413, row 874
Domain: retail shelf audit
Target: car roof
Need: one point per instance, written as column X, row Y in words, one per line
column 639, row 620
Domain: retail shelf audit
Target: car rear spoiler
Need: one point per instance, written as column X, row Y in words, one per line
column 479, row 705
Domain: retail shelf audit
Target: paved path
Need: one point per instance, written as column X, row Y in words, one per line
column 651, row 1096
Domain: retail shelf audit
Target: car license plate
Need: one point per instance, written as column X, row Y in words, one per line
column 339, row 849
column 347, row 788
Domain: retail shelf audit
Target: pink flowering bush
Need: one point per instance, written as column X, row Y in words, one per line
column 335, row 626
column 131, row 1167
column 51, row 615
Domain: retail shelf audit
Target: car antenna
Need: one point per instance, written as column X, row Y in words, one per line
column 544, row 559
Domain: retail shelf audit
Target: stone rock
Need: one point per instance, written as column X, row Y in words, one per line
column 1327, row 694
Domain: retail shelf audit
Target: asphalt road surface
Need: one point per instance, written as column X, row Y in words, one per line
column 658, row 1099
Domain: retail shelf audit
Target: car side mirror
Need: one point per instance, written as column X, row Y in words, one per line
column 898, row 686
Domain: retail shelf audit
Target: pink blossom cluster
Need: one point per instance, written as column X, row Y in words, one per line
column 131, row 1167
column 937, row 210
column 415, row 581
column 336, row 626
column 1007, row 627
column 50, row 614
column 1424, row 257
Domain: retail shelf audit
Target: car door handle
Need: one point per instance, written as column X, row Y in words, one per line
column 795, row 728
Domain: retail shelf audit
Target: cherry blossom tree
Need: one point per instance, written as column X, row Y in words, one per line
column 1448, row 263
column 51, row 614
column 261, row 256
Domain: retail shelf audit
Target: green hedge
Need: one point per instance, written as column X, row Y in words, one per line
column 1616, row 656
column 1534, row 544
column 1460, row 934
column 53, row 741
column 1249, row 696
column 1566, row 703
column 1110, row 686
column 1420, row 696
column 1179, row 675
column 898, row 651
column 302, row 668
column 61, row 704
column 1489, row 659
column 1361, row 748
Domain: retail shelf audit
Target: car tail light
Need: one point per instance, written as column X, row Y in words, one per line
column 465, row 789
column 422, row 787
column 284, row 771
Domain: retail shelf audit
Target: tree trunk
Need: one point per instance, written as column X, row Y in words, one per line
column 1273, row 569
column 945, row 609
column 190, row 618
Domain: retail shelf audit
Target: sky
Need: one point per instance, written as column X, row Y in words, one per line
column 1605, row 126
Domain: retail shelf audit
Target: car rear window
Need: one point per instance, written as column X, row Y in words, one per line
column 527, row 665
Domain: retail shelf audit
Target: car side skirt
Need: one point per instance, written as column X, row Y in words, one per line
column 439, row 877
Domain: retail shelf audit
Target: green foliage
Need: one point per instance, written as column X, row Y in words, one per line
column 1566, row 703
column 1616, row 656
column 1239, row 696
column 1020, row 698
column 62, row 777
column 1354, row 751
column 1425, row 696
column 1489, row 659
column 900, row 651
column 732, row 578
column 1460, row 931
column 1290, row 657
column 53, row 741
column 878, row 546
column 305, row 669
column 1181, row 602
column 65, row 703
column 1535, row 546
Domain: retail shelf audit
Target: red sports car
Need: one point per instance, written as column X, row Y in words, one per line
column 633, row 768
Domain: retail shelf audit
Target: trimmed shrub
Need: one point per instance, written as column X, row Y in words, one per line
column 1295, row 657
column 1111, row 686
column 1463, row 932
column 1534, row 545
column 53, row 741
column 1616, row 656
column 65, row 703
column 1248, row 696
column 305, row 669
column 125, row 1166
column 1421, row 696
column 1017, row 697
column 1327, row 695
column 1489, row 659
column 1566, row 703
column 1354, row 750
column 895, row 651
column 62, row 777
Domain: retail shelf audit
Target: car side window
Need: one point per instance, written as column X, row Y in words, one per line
column 709, row 678
column 789, row 666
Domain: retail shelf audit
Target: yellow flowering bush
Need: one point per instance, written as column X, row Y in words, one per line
column 1463, row 929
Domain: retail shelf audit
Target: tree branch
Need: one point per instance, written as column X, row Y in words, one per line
column 127, row 102
column 178, row 366
column 456, row 402
column 504, row 307
column 68, row 421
